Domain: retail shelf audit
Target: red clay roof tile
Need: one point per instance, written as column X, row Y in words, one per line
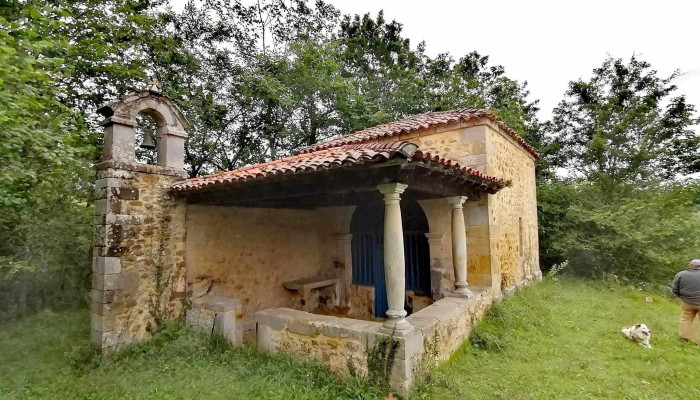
column 338, row 157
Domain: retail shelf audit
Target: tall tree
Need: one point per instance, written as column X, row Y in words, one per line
column 623, row 127
column 59, row 60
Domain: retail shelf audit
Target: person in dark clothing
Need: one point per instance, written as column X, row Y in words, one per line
column 686, row 285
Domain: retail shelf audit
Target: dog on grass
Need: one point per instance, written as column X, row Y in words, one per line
column 639, row 333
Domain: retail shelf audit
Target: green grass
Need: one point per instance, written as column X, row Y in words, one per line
column 47, row 356
column 555, row 340
column 561, row 339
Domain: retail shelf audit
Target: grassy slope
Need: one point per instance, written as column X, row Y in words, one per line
column 562, row 340
column 555, row 340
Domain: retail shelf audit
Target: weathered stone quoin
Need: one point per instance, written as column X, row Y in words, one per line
column 408, row 230
column 139, row 245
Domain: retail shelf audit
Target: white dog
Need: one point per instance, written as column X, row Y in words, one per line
column 639, row 333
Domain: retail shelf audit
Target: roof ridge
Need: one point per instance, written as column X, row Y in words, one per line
column 417, row 122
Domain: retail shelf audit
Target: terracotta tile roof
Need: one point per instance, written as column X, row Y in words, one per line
column 339, row 157
column 418, row 122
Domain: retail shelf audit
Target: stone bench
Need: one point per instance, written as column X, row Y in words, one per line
column 215, row 314
column 310, row 288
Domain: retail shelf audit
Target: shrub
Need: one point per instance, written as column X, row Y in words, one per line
column 647, row 235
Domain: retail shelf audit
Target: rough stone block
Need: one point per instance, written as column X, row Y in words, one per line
column 107, row 182
column 106, row 265
column 480, row 231
column 104, row 296
column 107, row 282
column 302, row 327
column 410, row 345
column 105, row 309
column 274, row 322
column 109, row 339
column 121, row 174
column 401, row 376
column 477, row 215
column 473, row 133
column 267, row 338
column 225, row 325
column 126, row 193
column 119, row 143
column 107, row 206
column 101, row 193
column 123, row 219
column 102, row 323
column 112, row 251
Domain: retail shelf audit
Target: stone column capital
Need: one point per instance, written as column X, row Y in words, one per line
column 456, row 201
column 392, row 192
column 436, row 237
column 119, row 119
column 391, row 188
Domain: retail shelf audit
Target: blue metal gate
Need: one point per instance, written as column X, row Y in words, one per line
column 368, row 257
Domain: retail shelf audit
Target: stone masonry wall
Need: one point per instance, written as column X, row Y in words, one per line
column 343, row 344
column 139, row 253
column 248, row 253
column 513, row 210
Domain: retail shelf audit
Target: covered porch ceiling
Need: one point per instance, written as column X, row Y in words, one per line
column 347, row 175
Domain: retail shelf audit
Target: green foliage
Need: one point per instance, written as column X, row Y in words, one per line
column 622, row 128
column 648, row 236
column 42, row 177
column 490, row 335
column 424, row 366
column 563, row 342
column 624, row 207
column 258, row 80
column 380, row 360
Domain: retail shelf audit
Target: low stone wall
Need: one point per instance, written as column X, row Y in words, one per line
column 343, row 344
column 447, row 323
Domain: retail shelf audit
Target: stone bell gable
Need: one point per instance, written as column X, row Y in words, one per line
column 139, row 241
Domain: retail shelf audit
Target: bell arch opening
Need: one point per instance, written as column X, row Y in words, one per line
column 367, row 228
column 146, row 139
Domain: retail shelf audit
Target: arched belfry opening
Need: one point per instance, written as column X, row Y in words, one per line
column 145, row 127
column 146, row 139
column 367, row 228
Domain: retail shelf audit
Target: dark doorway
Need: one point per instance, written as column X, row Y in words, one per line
column 367, row 228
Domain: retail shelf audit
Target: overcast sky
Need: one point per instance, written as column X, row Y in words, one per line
column 549, row 43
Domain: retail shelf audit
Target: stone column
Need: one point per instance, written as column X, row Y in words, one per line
column 394, row 262
column 459, row 247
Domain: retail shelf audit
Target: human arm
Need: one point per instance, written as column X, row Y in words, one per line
column 676, row 286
